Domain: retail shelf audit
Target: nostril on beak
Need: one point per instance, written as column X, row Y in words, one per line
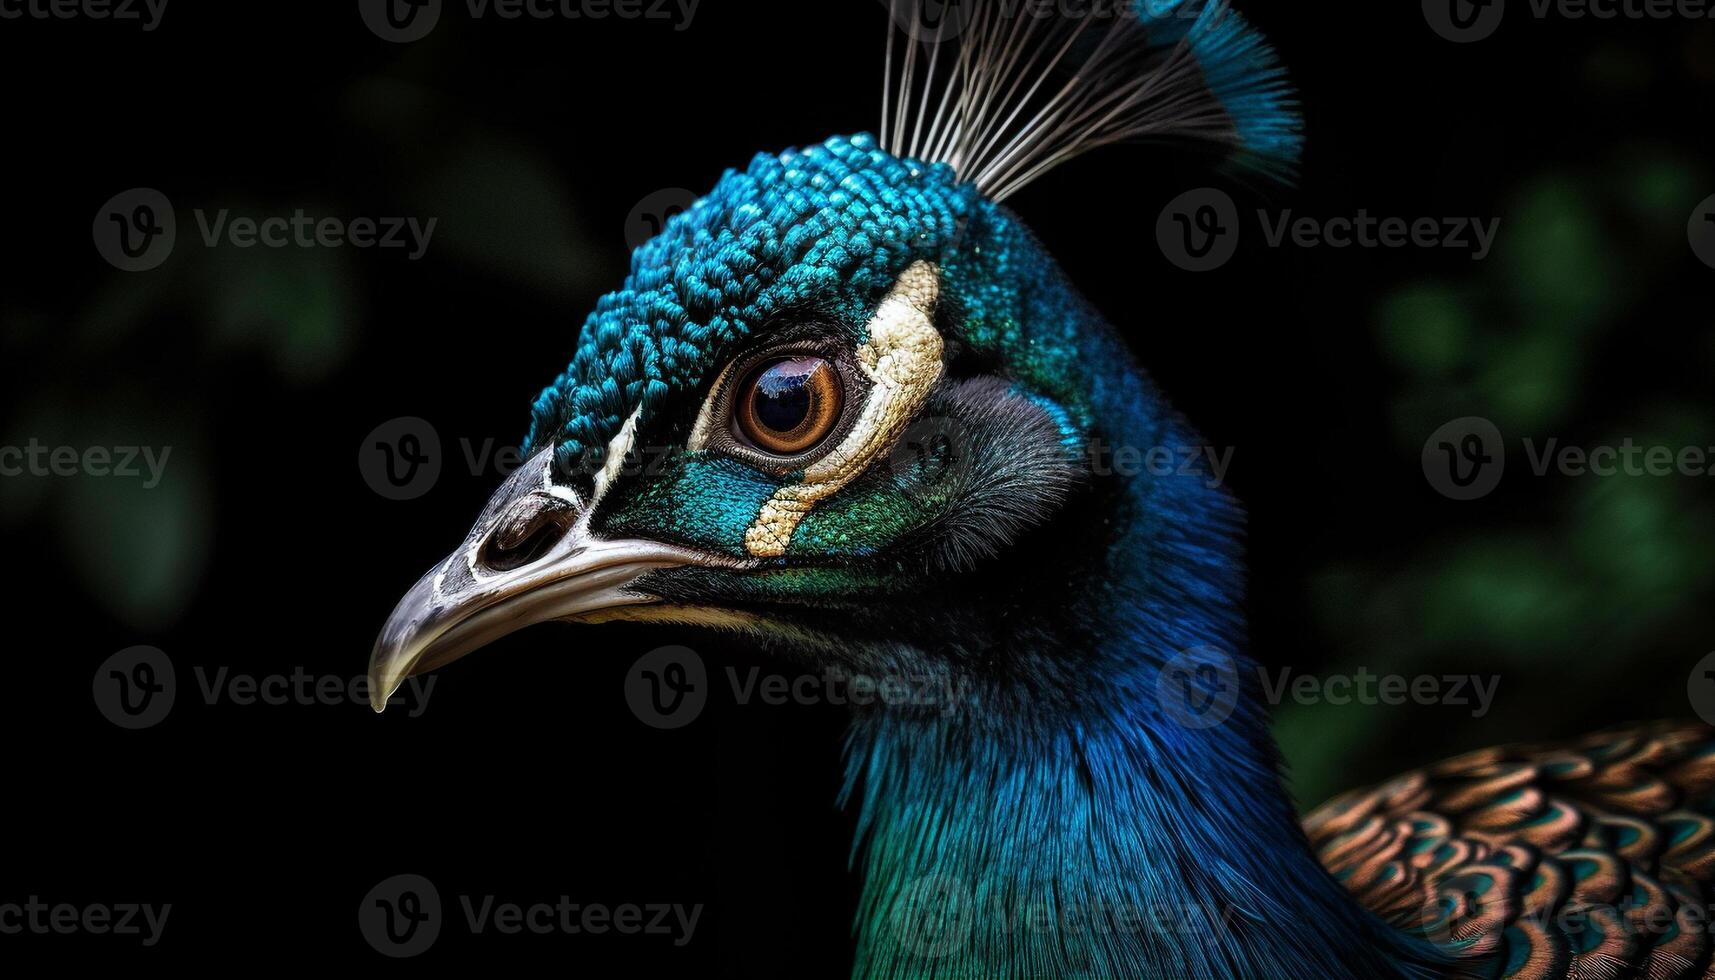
column 526, row 532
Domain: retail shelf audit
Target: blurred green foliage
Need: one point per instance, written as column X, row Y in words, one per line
column 142, row 553
column 1570, row 588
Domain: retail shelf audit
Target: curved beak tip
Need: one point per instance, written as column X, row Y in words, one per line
column 387, row 673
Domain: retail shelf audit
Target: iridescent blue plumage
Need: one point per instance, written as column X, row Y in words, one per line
column 827, row 227
column 1094, row 793
column 1057, row 783
column 1051, row 596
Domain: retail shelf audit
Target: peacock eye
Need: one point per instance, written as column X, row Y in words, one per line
column 789, row 404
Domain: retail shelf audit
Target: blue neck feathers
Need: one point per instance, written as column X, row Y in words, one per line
column 1071, row 820
column 1095, row 849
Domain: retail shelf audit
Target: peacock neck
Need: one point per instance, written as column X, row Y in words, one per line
column 1080, row 818
column 1096, row 847
column 1091, row 852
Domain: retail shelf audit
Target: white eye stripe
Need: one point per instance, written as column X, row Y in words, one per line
column 699, row 438
column 901, row 355
column 617, row 449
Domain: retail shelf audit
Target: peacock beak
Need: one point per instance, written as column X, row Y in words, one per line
column 529, row 559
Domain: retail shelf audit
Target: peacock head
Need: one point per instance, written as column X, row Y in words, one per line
column 845, row 403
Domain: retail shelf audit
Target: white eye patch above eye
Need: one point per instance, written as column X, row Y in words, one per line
column 901, row 356
column 699, row 438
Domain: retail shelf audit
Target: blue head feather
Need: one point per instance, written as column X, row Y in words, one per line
column 829, row 227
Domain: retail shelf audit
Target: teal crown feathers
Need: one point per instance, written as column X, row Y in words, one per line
column 827, row 227
column 994, row 95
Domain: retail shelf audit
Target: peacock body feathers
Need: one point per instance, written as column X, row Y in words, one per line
column 1594, row 858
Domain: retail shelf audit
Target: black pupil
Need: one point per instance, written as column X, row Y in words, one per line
column 782, row 394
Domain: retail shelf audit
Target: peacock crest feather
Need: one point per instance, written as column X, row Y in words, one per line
column 1026, row 88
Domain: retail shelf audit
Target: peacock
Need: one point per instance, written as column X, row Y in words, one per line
column 843, row 405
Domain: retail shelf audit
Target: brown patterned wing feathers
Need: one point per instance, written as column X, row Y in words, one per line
column 1593, row 859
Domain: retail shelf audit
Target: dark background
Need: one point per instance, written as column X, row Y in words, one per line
column 532, row 143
